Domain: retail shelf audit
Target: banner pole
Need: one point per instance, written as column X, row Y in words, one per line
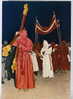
column 59, row 34
column 36, row 34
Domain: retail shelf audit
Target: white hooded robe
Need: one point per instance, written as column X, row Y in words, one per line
column 47, row 60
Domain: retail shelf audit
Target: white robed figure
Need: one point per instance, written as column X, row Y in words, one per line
column 47, row 60
column 34, row 61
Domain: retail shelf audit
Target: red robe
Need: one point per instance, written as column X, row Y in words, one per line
column 54, row 61
column 24, row 69
column 54, row 57
column 64, row 59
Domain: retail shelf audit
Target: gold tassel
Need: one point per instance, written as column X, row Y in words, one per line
column 25, row 12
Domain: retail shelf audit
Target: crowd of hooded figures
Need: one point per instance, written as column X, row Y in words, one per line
column 23, row 61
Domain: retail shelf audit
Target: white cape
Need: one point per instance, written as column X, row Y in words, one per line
column 34, row 61
column 47, row 63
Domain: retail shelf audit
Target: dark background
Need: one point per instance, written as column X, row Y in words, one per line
column 43, row 10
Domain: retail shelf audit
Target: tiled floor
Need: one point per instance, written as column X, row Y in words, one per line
column 57, row 88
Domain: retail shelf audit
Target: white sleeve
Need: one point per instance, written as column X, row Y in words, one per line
column 50, row 50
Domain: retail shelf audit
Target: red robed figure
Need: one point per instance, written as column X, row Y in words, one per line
column 24, row 69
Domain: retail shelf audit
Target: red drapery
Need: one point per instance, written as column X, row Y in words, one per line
column 47, row 29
